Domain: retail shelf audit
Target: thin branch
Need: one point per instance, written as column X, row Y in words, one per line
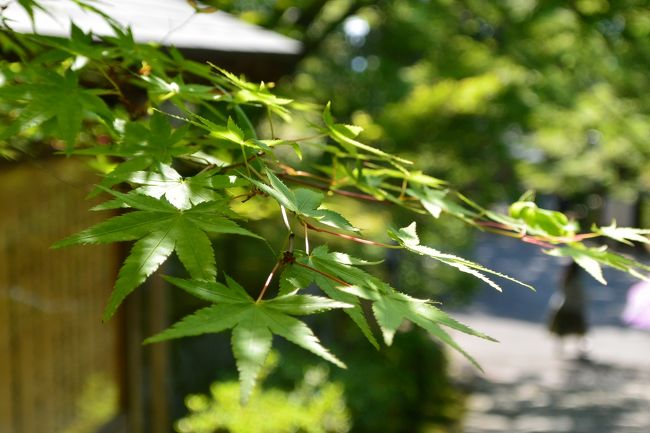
column 267, row 283
column 287, row 257
column 352, row 194
column 248, row 167
column 535, row 241
column 309, row 138
column 285, row 218
column 325, row 274
column 122, row 97
column 503, row 229
column 210, row 166
column 352, row 238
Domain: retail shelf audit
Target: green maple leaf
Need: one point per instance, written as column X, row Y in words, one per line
column 395, row 308
column 303, row 202
column 57, row 97
column 330, row 288
column 231, row 133
column 334, row 273
column 408, row 238
column 143, row 147
column 253, row 324
column 245, row 92
column 295, row 278
column 159, row 229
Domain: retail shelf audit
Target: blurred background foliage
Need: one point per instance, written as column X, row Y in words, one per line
column 491, row 96
column 313, row 406
column 494, row 97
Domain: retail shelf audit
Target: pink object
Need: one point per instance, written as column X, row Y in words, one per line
column 637, row 308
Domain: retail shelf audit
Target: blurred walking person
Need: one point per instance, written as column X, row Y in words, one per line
column 567, row 310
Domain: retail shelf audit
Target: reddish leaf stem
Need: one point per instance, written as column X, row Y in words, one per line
column 535, row 241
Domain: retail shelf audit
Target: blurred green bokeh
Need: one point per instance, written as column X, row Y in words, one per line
column 315, row 405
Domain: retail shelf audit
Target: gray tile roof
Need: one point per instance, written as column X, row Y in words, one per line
column 169, row 22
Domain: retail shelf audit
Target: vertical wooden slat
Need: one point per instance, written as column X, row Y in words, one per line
column 159, row 355
column 135, row 409
column 25, row 319
column 48, row 308
column 27, row 308
column 6, row 376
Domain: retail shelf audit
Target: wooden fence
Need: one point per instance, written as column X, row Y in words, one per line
column 60, row 368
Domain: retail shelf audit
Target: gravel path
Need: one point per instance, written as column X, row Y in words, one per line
column 528, row 385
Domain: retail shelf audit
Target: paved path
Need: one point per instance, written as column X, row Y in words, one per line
column 527, row 386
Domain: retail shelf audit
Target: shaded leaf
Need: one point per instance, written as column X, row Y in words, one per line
column 212, row 291
column 59, row 97
column 356, row 312
column 395, row 308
